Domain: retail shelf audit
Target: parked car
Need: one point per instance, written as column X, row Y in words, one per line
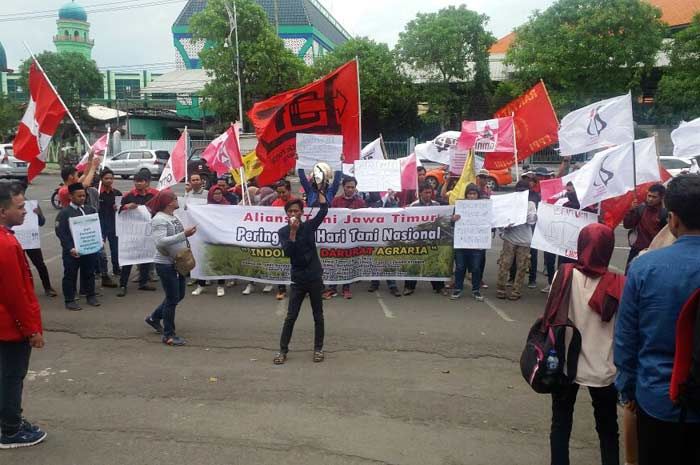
column 11, row 167
column 130, row 162
column 497, row 178
column 676, row 166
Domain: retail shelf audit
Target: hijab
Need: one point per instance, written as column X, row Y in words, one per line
column 160, row 201
column 210, row 196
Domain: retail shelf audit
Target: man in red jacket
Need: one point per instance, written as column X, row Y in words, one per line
column 20, row 323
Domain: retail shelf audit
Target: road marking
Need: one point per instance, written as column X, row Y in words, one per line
column 280, row 310
column 499, row 312
column 385, row 308
column 52, row 259
column 622, row 248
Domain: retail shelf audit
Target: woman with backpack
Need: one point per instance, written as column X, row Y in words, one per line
column 589, row 295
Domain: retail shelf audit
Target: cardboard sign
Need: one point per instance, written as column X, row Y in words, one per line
column 28, row 232
column 558, row 228
column 87, row 233
column 473, row 229
column 378, row 175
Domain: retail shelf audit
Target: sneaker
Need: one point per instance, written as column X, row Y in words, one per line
column 198, row 290
column 23, row 438
column 154, row 324
column 477, row 296
column 514, row 297
column 501, row 294
column 546, row 289
column 395, row 292
column 73, row 306
column 484, row 285
column 220, row 292
column 147, row 287
column 173, row 341
column 281, row 295
column 373, row 288
column 92, row 301
column 26, row 426
column 456, row 294
column 122, row 292
column 329, row 294
column 347, row 294
column 248, row 289
column 532, row 285
column 267, row 289
column 280, row 358
column 319, row 356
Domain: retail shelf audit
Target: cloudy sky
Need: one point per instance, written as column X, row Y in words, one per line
column 141, row 36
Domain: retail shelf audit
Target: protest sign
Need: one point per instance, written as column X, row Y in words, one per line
column 135, row 238
column 28, row 232
column 509, row 209
column 378, row 175
column 349, row 169
column 315, row 148
column 558, row 228
column 86, row 232
column 473, row 229
column 365, row 244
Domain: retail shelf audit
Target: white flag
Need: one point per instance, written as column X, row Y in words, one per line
column 609, row 174
column 440, row 149
column 373, row 151
column 601, row 124
column 686, row 139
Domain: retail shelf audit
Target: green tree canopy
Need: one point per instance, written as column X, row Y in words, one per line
column 9, row 118
column 448, row 50
column 389, row 105
column 267, row 68
column 678, row 96
column 587, row 49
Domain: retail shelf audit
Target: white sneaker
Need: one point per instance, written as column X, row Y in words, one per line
column 545, row 290
column 267, row 289
column 231, row 283
column 198, row 290
column 248, row 289
column 220, row 292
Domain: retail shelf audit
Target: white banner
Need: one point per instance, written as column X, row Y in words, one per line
column 135, row 238
column 558, row 228
column 440, row 149
column 86, row 232
column 601, row 124
column 509, row 209
column 373, row 151
column 28, row 232
column 686, row 139
column 315, row 148
column 473, row 229
column 378, row 175
column 610, row 173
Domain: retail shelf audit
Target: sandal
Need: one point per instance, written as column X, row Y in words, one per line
column 174, row 341
column 318, row 356
column 279, row 359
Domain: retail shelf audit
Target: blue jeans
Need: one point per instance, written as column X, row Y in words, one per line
column 174, row 286
column 468, row 259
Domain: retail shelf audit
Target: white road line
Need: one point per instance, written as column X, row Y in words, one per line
column 387, row 313
column 280, row 310
column 52, row 259
column 499, row 312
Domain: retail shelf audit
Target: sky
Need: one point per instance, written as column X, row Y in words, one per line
column 137, row 37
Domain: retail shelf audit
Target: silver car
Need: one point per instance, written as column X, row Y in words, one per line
column 130, row 162
column 11, row 167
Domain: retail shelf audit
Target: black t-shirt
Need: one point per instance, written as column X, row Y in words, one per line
column 106, row 211
column 306, row 266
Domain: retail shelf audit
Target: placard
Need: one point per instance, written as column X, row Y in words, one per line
column 378, row 175
column 86, row 232
column 315, row 148
column 28, row 232
column 136, row 243
column 509, row 209
column 473, row 229
column 558, row 228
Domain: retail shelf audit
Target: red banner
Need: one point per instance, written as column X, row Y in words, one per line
column 536, row 126
column 328, row 106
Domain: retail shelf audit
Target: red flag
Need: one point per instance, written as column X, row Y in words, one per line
column 176, row 168
column 223, row 154
column 327, row 106
column 551, row 188
column 98, row 147
column 409, row 173
column 41, row 119
column 536, row 126
column 494, row 135
column 615, row 209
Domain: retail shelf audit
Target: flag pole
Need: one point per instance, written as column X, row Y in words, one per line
column 359, row 102
column 515, row 150
column 70, row 115
column 104, row 157
column 381, row 141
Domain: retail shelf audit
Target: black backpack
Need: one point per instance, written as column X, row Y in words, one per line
column 685, row 379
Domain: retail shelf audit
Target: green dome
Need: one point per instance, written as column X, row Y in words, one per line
column 3, row 58
column 72, row 11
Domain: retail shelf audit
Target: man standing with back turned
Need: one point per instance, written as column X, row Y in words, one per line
column 20, row 323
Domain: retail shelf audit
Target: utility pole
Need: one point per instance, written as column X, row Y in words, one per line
column 233, row 29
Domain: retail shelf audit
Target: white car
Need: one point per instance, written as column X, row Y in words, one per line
column 676, row 166
column 130, row 162
column 11, row 167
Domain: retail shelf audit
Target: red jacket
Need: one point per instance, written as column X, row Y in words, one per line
column 20, row 315
column 353, row 203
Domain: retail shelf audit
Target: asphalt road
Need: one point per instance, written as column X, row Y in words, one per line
column 417, row 380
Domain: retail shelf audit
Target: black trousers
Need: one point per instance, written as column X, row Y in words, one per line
column 37, row 259
column 632, row 255
column 113, row 252
column 86, row 264
column 297, row 293
column 14, row 363
column 125, row 271
column 666, row 443
column 437, row 285
column 605, row 413
column 550, row 262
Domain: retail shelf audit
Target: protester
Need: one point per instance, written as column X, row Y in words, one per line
column 108, row 211
column 350, row 199
column 591, row 294
column 229, row 195
column 20, row 323
column 72, row 260
column 216, row 196
column 195, row 187
column 482, row 180
column 298, row 240
column 468, row 259
column 284, row 196
column 375, row 200
column 70, row 175
column 658, row 285
column 516, row 246
column 532, row 179
column 312, row 199
column 645, row 221
column 170, row 238
column 37, row 258
column 268, row 195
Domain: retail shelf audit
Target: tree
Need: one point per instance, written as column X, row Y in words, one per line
column 9, row 118
column 387, row 109
column 586, row 50
column 449, row 51
column 678, row 96
column 267, row 68
column 75, row 77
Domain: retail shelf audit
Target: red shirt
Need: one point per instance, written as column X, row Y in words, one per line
column 353, row 202
column 20, row 315
column 281, row 203
column 64, row 196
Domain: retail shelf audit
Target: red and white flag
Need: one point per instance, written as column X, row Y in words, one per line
column 41, row 119
column 99, row 147
column 176, row 168
column 409, row 172
column 224, row 154
column 494, row 135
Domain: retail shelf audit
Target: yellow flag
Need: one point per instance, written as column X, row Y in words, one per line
column 252, row 167
column 468, row 176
